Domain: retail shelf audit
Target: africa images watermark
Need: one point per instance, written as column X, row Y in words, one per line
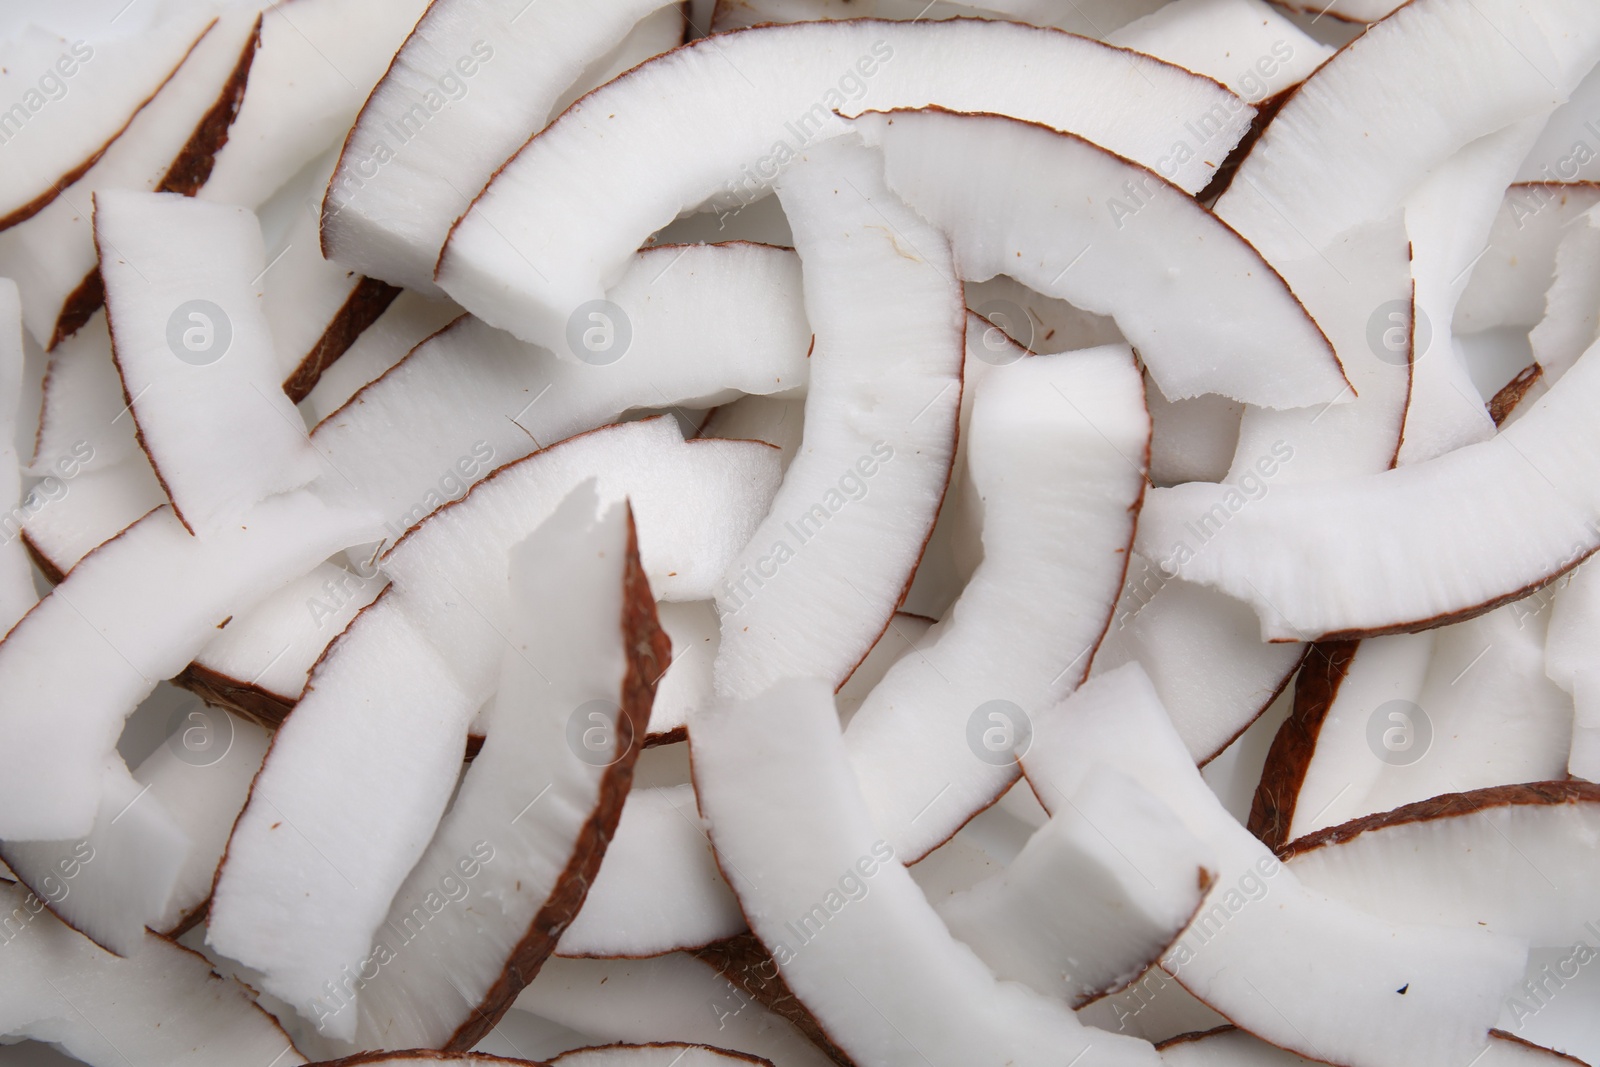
column 1538, row 992
column 51, row 86
column 1251, row 486
column 49, row 489
column 55, row 886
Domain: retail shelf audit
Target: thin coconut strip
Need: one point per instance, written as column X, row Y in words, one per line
column 1124, row 243
column 819, row 580
column 520, row 260
column 470, row 85
column 83, row 418
column 664, row 998
column 1231, row 956
column 1231, row 1047
column 1508, row 285
column 16, row 576
column 402, row 685
column 132, row 613
column 1291, row 197
column 161, row 1007
column 584, row 636
column 851, row 933
column 192, row 345
column 167, row 147
column 408, row 321
column 1057, row 456
column 1090, row 18
column 1502, row 518
column 472, row 398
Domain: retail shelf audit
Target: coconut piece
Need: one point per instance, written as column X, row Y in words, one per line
column 409, row 320
column 777, row 420
column 673, row 997
column 189, row 337
column 1090, row 18
column 84, row 422
column 1570, row 325
column 466, row 89
column 16, row 576
column 1094, row 898
column 660, row 31
column 1057, row 457
column 403, row 683
column 662, row 1054
column 67, row 518
column 1125, row 239
column 1527, row 880
column 1154, row 1007
column 1583, row 760
column 1508, row 285
column 1038, row 323
column 519, row 260
column 819, row 580
column 168, row 147
column 162, row 1005
column 1191, row 440
column 486, row 399
column 1231, row 955
column 1244, row 44
column 687, row 683
column 134, row 612
column 851, row 933
column 1237, row 1048
column 1574, row 624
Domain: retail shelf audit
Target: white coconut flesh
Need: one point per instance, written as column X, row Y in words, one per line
column 1244, row 44
column 1238, row 1048
column 1507, row 286
column 70, row 517
column 1230, row 956
column 16, row 576
column 1090, row 18
column 408, row 321
column 522, row 260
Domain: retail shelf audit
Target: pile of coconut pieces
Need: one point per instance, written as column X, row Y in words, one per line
column 801, row 532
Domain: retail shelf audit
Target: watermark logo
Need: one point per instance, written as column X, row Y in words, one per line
column 200, row 735
column 1389, row 333
column 199, row 332
column 599, row 333
column 1399, row 733
column 999, row 733
column 592, row 733
column 1009, row 326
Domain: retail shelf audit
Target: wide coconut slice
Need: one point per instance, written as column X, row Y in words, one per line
column 1094, row 898
column 75, row 92
column 520, row 259
column 16, row 576
column 664, row 998
column 1231, row 1047
column 1125, row 243
column 1526, row 880
column 404, row 682
column 468, row 87
column 1468, row 68
column 1231, row 956
column 191, row 343
column 1508, row 285
column 820, row 578
column 472, row 398
column 1056, row 455
column 161, row 1006
column 133, row 613
column 168, row 147
column 851, row 933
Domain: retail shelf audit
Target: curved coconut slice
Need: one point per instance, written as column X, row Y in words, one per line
column 1091, row 18
column 673, row 997
column 1526, row 879
column 591, row 642
column 74, row 97
column 1231, row 956
column 193, row 348
column 16, row 576
column 851, row 933
column 1231, row 1047
column 403, row 683
column 167, row 147
column 1244, row 44
column 1093, row 899
column 69, row 518
column 163, row 1005
column 663, row 1054
column 1462, row 70
column 470, row 85
column 1499, row 518
column 658, row 890
column 134, row 612
column 259, row 663
column 409, row 320
column 1508, row 285
column 318, row 61
column 84, row 420
column 472, row 398
column 1057, row 457
column 519, row 259
column 818, row 581
column 1124, row 243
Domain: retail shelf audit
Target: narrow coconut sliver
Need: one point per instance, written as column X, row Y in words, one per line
column 84, row 422
column 820, row 578
column 195, row 354
column 1244, row 44
column 688, row 683
column 16, row 575
column 674, row 997
column 542, row 798
column 1498, row 519
column 658, row 889
column 851, row 933
column 471, row 84
column 163, row 1005
column 402, row 685
column 71, row 514
column 1125, row 243
column 520, row 260
column 133, row 613
column 1090, row 18
column 1057, row 457
column 1508, row 285
column 409, row 320
column 1096, row 896
column 1464, row 70
column 1230, row 1047
column 1527, row 879
column 655, row 1055
column 1231, row 956
column 472, row 398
